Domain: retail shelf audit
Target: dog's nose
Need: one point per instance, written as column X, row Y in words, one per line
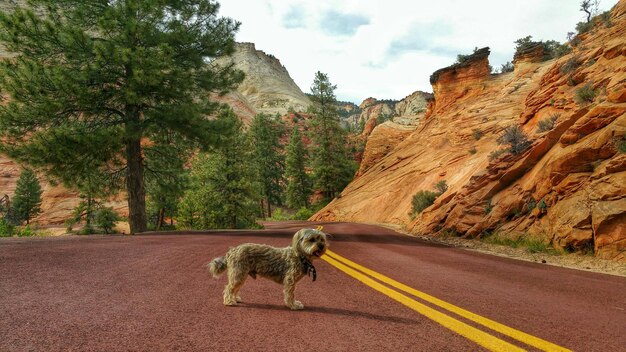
column 321, row 247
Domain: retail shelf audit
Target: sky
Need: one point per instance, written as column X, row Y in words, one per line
column 387, row 49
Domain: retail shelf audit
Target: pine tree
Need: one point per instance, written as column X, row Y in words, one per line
column 332, row 167
column 268, row 158
column 27, row 199
column 222, row 193
column 93, row 79
column 298, row 182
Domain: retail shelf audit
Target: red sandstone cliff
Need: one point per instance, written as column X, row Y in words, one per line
column 568, row 188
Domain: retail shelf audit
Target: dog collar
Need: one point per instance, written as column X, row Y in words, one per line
column 308, row 268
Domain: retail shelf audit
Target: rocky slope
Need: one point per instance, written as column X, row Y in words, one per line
column 267, row 88
column 567, row 189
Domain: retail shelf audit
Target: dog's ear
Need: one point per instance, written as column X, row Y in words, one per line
column 297, row 238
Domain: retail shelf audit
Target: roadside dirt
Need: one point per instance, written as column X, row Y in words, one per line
column 572, row 261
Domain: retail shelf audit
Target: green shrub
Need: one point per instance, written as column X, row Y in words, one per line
column 303, row 214
column 472, row 151
column 553, row 49
column 570, row 65
column 542, row 205
column 605, row 17
column 515, row 138
column 621, row 144
column 477, row 134
column 422, row 200
column 496, row 154
column 507, row 67
column 441, row 186
column 6, row 228
column 106, row 218
column 585, row 94
column 25, row 231
column 547, row 124
column 584, row 27
column 488, row 207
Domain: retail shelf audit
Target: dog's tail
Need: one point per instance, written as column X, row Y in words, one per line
column 217, row 266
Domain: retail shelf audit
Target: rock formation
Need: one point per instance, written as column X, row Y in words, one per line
column 568, row 188
column 267, row 88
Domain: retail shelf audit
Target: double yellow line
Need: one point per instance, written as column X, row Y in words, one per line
column 482, row 338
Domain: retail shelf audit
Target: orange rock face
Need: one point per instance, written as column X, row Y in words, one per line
column 567, row 188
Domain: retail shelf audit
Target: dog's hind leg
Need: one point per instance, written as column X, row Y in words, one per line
column 236, row 278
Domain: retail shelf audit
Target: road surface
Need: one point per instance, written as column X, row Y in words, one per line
column 376, row 290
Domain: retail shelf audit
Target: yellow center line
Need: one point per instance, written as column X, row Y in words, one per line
column 501, row 328
column 482, row 338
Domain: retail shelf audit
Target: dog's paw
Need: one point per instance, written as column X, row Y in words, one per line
column 238, row 299
column 230, row 302
column 296, row 305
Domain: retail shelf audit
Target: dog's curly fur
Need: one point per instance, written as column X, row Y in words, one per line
column 282, row 265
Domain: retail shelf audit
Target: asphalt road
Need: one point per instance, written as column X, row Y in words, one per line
column 375, row 291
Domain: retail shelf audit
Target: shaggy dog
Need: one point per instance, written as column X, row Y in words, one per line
column 285, row 266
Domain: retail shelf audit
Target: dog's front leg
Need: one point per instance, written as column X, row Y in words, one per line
column 289, row 290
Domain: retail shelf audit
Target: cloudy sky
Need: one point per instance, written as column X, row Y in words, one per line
column 389, row 48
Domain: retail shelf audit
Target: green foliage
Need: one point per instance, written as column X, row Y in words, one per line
column 94, row 79
column 488, row 207
column 621, row 144
column 571, row 65
column 382, row 118
column 548, row 123
column 222, row 192
column 422, row 200
column 477, row 133
column 6, row 228
column 167, row 178
column 496, row 154
column 584, row 27
column 27, row 199
column 554, row 49
column 473, row 151
column 551, row 48
column 515, row 138
column 441, row 187
column 267, row 159
column 542, row 205
column 524, row 43
column 605, row 18
column 299, row 185
column 303, row 214
column 333, row 167
column 520, row 241
column 24, row 231
column 585, row 94
column 105, row 218
column 461, row 58
column 507, row 67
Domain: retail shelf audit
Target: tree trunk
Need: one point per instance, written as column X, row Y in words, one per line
column 161, row 219
column 269, row 209
column 134, row 174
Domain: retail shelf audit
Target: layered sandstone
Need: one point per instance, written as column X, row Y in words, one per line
column 567, row 189
column 267, row 87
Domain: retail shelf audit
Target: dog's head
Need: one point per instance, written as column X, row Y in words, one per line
column 309, row 242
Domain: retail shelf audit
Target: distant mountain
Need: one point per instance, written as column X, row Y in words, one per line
column 267, row 88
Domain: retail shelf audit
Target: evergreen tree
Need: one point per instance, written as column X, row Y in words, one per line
column 27, row 199
column 221, row 192
column 298, row 182
column 268, row 158
column 92, row 79
column 332, row 166
column 167, row 177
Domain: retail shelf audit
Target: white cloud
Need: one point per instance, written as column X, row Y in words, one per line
column 389, row 48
